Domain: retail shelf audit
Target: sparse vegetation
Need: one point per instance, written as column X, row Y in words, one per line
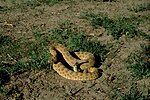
column 140, row 7
column 116, row 27
column 22, row 55
column 35, row 55
column 134, row 94
column 35, row 3
column 140, row 63
column 29, row 27
column 77, row 40
column 27, row 3
column 27, row 55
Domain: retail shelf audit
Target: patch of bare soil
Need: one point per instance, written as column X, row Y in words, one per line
column 115, row 81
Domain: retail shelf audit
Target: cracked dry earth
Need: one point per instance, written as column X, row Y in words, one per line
column 115, row 81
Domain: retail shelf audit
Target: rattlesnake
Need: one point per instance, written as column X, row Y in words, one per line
column 86, row 60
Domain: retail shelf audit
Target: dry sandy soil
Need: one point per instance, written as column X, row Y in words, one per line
column 116, row 80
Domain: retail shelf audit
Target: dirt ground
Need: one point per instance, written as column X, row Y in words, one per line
column 47, row 84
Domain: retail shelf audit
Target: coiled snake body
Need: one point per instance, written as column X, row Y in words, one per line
column 86, row 61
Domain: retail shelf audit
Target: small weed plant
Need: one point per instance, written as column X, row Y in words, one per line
column 139, row 63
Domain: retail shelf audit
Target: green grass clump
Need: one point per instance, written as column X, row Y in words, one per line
column 32, row 3
column 81, row 43
column 38, row 52
column 5, row 40
column 140, row 7
column 17, row 56
column 77, row 40
column 51, row 2
column 139, row 63
column 22, row 54
column 116, row 27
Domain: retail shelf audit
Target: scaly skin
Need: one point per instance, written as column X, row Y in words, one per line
column 53, row 53
column 69, row 74
column 86, row 56
column 91, row 72
column 73, row 62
